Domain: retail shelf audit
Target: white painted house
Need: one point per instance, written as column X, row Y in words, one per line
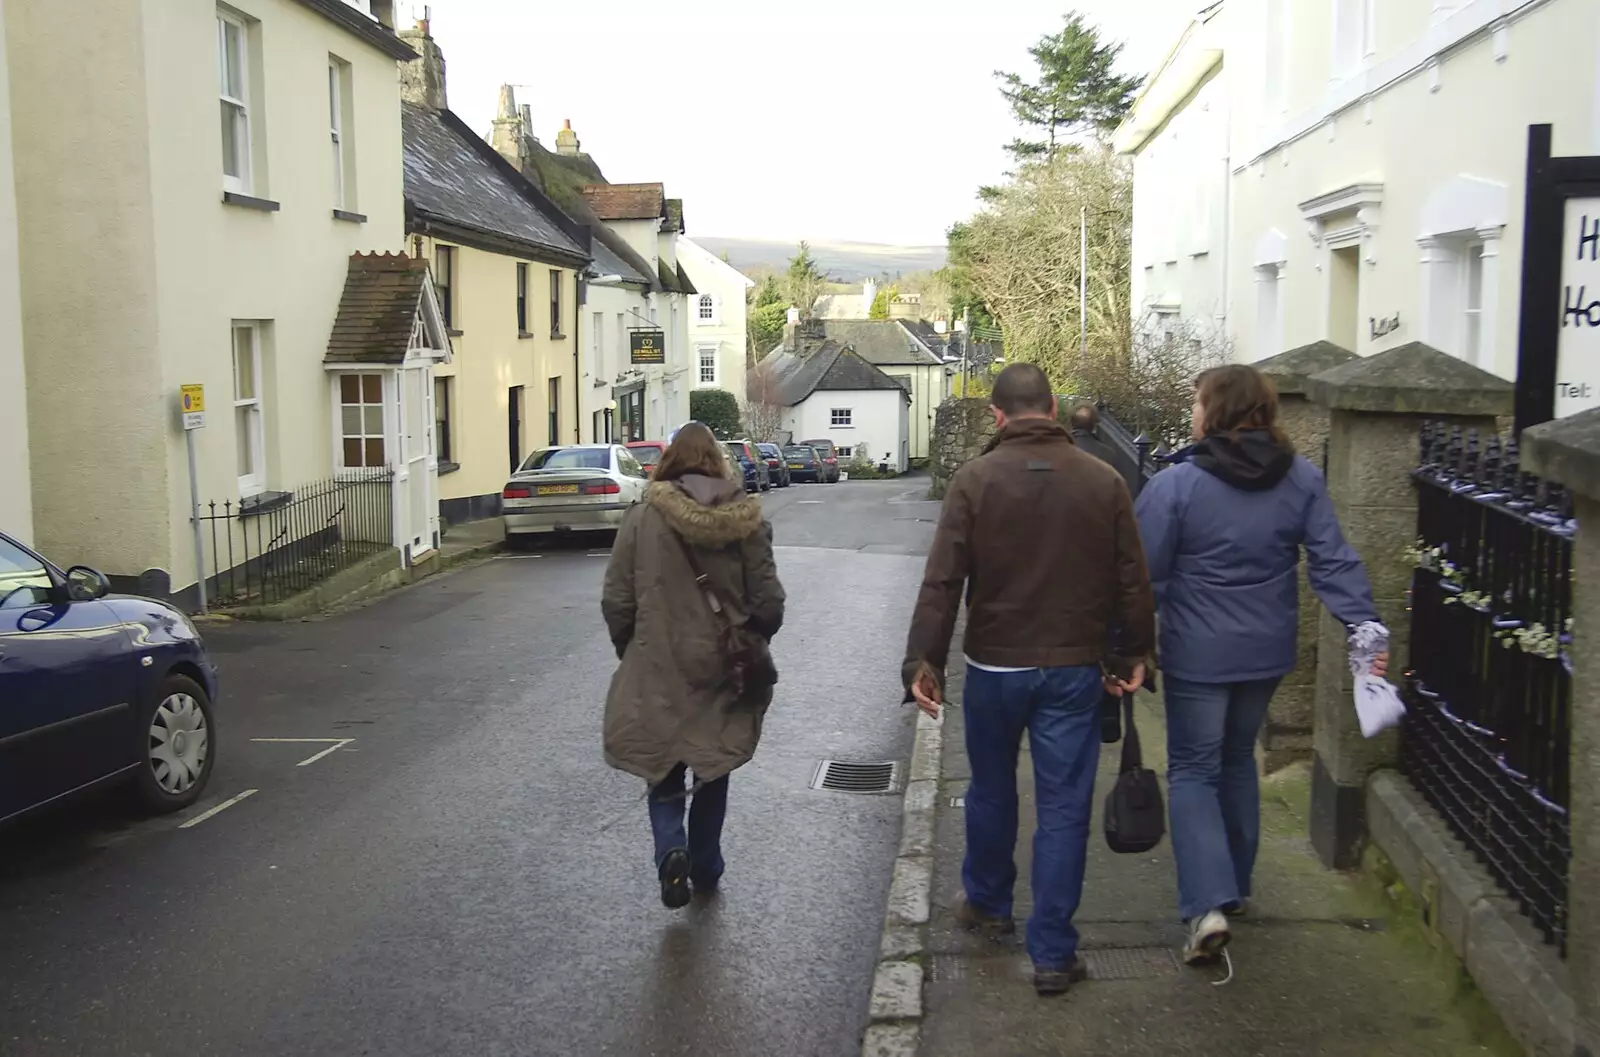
column 830, row 392
column 717, row 314
column 1177, row 133
column 16, row 496
column 1376, row 153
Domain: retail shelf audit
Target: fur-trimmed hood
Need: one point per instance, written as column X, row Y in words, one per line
column 707, row 511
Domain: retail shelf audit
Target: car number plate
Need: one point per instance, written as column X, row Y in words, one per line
column 556, row 489
column 796, row 466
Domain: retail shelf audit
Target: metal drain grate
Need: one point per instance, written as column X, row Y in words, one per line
column 1129, row 963
column 844, row 777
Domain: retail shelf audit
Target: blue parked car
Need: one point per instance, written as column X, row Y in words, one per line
column 754, row 464
column 96, row 689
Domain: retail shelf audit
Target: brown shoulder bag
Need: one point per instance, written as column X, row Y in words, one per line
column 746, row 654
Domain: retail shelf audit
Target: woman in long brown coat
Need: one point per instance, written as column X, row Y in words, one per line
column 672, row 707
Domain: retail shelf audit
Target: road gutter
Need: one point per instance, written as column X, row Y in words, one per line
column 896, row 1005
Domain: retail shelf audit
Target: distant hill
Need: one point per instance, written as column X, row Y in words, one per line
column 844, row 261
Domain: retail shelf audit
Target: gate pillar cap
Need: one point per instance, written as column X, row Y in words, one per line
column 1566, row 451
column 1412, row 379
column 1291, row 371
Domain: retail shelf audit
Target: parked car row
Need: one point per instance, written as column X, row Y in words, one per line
column 97, row 689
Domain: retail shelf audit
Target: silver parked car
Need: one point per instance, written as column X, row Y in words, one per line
column 579, row 488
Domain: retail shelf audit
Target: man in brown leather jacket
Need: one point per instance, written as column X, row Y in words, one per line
column 1043, row 540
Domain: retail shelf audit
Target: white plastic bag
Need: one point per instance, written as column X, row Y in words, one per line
column 1378, row 704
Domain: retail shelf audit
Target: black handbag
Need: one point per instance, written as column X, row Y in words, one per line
column 746, row 654
column 1135, row 814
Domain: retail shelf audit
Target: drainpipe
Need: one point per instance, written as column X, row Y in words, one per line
column 577, row 344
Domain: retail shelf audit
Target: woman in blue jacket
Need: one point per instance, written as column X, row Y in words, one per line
column 1223, row 529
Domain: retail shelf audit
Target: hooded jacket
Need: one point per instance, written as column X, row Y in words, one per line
column 670, row 701
column 1223, row 531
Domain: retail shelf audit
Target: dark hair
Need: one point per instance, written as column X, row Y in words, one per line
column 693, row 450
column 1086, row 418
column 1238, row 397
column 1022, row 389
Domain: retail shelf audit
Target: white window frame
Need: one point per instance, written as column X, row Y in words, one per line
column 706, row 356
column 1472, row 313
column 387, row 388
column 1353, row 37
column 241, row 124
column 1269, row 337
column 336, row 129
column 706, row 311
column 841, row 418
column 254, row 482
column 597, row 347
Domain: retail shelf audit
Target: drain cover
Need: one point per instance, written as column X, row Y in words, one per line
column 1129, row 963
column 844, row 777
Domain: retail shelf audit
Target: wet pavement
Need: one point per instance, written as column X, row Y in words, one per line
column 464, row 874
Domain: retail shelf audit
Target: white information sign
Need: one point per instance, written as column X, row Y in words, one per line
column 1578, row 347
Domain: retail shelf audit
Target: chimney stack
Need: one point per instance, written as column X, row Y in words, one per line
column 422, row 79
column 505, row 133
column 567, row 140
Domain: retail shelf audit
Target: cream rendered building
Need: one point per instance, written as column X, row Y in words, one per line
column 505, row 263
column 650, row 224
column 1177, row 133
column 16, row 496
column 1377, row 154
column 717, row 315
column 165, row 251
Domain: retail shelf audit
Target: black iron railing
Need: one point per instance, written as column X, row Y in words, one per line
column 267, row 549
column 1486, row 736
column 1139, row 453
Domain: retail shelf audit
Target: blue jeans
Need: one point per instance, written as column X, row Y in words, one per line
column 706, row 810
column 1213, row 788
column 1060, row 710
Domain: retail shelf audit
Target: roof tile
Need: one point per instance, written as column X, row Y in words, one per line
column 626, row 201
column 382, row 292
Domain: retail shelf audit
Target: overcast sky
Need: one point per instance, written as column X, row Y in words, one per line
column 831, row 120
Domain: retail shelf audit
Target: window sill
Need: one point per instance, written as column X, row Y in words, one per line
column 345, row 214
column 453, row 332
column 600, row 383
column 557, row 337
column 524, row 335
column 446, row 466
column 265, row 205
column 263, row 503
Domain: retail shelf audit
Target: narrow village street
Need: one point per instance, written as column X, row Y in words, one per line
column 466, row 875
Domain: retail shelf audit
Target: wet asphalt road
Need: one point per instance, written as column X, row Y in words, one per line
column 467, row 876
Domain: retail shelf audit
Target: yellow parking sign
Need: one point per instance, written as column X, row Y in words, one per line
column 192, row 401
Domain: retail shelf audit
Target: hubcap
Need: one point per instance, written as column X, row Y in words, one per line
column 178, row 743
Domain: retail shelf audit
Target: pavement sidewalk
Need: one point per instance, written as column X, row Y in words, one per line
column 1320, row 967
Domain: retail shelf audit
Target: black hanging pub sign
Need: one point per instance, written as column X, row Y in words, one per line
column 647, row 346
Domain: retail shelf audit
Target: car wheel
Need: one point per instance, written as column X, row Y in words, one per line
column 177, row 745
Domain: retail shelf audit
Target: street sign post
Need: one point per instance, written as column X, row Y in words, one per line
column 192, row 409
column 1558, row 334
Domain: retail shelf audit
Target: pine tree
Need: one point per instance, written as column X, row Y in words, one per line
column 1077, row 91
column 804, row 281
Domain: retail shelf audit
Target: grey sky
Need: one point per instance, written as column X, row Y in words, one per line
column 861, row 120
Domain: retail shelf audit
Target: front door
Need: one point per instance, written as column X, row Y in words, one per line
column 514, row 425
column 415, row 480
column 67, row 688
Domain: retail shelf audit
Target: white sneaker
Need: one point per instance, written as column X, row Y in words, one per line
column 1208, row 935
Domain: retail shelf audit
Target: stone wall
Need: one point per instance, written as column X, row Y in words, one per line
column 961, row 429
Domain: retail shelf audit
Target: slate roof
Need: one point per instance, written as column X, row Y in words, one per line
column 832, row 367
column 675, row 280
column 382, row 293
column 368, row 29
column 452, row 175
column 884, row 342
column 626, row 201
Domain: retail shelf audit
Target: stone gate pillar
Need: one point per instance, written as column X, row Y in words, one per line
column 1567, row 452
column 1376, row 408
column 1286, row 736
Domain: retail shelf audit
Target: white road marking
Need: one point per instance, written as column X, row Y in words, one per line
column 220, row 807
column 809, row 502
column 600, row 554
column 334, row 744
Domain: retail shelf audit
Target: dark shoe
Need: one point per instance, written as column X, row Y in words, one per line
column 1057, row 981
column 1236, row 909
column 674, row 874
column 974, row 920
column 705, row 885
